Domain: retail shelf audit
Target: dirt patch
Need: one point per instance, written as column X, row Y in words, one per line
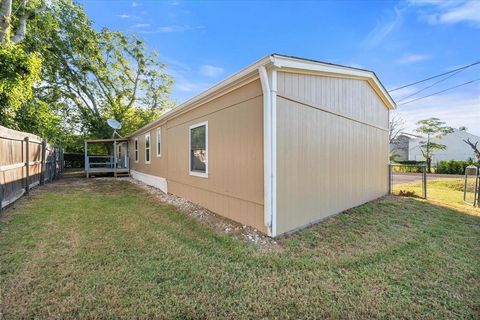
column 238, row 231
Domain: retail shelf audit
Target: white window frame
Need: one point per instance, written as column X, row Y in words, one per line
column 195, row 173
column 149, row 148
column 136, row 154
column 159, row 142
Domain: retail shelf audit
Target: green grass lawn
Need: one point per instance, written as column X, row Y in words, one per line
column 108, row 249
column 444, row 192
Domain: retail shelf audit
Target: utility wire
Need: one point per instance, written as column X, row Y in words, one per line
column 459, row 85
column 428, row 87
column 433, row 77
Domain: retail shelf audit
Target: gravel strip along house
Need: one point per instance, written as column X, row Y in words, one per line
column 281, row 144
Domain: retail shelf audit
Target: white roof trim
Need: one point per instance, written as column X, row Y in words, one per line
column 279, row 62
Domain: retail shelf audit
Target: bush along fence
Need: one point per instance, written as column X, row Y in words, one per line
column 454, row 166
column 26, row 161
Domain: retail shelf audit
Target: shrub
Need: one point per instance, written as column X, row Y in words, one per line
column 406, row 193
column 413, row 166
column 454, row 166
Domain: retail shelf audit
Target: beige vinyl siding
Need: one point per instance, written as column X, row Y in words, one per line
column 332, row 147
column 352, row 98
column 158, row 166
column 234, row 187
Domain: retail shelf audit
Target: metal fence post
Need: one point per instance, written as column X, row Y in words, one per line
column 27, row 165
column 424, row 182
column 478, row 189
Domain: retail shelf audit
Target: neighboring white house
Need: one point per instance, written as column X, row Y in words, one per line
column 407, row 146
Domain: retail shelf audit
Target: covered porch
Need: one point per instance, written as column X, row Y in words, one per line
column 116, row 160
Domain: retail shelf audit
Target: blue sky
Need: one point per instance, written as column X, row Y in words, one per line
column 203, row 42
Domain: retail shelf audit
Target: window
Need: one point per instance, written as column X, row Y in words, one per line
column 199, row 149
column 136, row 149
column 159, row 142
column 147, row 148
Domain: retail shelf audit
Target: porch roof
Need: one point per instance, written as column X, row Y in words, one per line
column 106, row 140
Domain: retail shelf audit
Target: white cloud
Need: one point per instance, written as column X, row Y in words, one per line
column 469, row 12
column 456, row 109
column 449, row 12
column 210, row 71
column 140, row 25
column 173, row 28
column 123, row 16
column 390, row 22
column 412, row 58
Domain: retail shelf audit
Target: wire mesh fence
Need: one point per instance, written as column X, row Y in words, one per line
column 408, row 179
column 471, row 186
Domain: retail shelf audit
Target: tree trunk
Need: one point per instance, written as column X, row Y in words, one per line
column 429, row 165
column 22, row 28
column 5, row 13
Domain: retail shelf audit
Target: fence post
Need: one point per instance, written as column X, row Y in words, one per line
column 27, row 165
column 424, row 182
column 1, row 197
column 42, row 164
column 54, row 163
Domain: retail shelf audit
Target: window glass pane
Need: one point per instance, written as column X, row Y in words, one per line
column 147, row 154
column 198, row 137
column 136, row 150
column 199, row 160
column 147, row 142
column 198, row 153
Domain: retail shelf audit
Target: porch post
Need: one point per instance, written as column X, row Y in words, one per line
column 87, row 165
column 115, row 158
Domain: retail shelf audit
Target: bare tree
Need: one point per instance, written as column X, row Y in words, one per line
column 397, row 125
column 474, row 147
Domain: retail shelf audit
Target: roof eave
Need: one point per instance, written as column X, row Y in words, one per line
column 237, row 77
column 280, row 62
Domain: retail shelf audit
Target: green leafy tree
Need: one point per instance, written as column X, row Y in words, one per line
column 96, row 75
column 433, row 128
column 19, row 70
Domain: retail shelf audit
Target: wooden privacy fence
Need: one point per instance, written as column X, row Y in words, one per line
column 26, row 161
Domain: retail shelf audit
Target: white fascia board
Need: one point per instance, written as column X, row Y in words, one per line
column 300, row 64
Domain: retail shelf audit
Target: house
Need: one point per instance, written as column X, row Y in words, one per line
column 281, row 144
column 407, row 146
column 399, row 147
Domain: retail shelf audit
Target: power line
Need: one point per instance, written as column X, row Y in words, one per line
column 433, row 77
column 459, row 85
column 428, row 87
